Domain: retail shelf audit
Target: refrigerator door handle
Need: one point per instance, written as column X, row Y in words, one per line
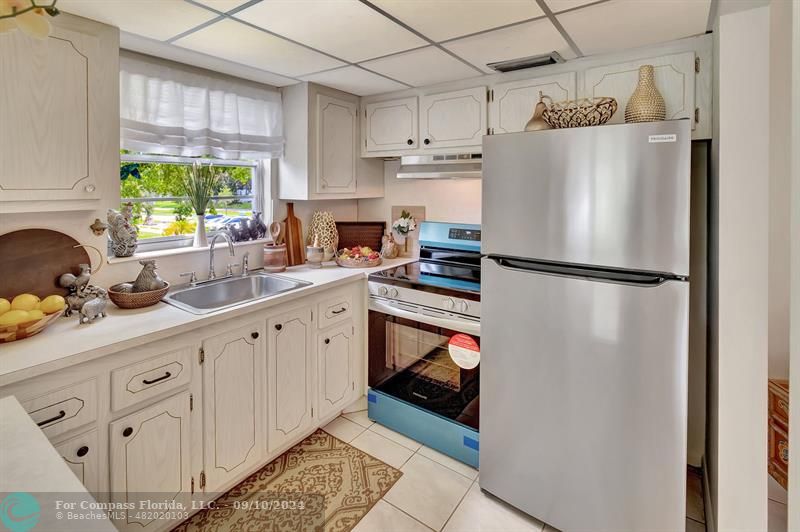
column 583, row 272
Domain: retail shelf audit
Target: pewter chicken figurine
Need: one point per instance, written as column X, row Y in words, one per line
column 76, row 284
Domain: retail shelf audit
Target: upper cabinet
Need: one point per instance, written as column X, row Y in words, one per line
column 391, row 125
column 320, row 159
column 511, row 104
column 453, row 119
column 675, row 79
column 59, row 132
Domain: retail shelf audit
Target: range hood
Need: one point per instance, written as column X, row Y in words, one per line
column 440, row 166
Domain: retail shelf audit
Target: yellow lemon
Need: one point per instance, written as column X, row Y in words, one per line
column 35, row 314
column 24, row 302
column 52, row 304
column 14, row 317
column 5, row 306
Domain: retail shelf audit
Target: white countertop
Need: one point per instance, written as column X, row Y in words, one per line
column 66, row 342
column 30, row 465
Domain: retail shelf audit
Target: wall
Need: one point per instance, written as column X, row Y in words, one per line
column 738, row 299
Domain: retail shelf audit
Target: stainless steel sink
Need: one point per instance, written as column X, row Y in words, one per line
column 231, row 291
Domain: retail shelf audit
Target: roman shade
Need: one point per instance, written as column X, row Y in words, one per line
column 173, row 109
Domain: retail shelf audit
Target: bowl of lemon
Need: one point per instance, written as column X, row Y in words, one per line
column 27, row 314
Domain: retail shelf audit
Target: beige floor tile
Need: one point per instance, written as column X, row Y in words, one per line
column 396, row 437
column 382, row 448
column 777, row 517
column 452, row 463
column 359, row 417
column 428, row 491
column 357, row 406
column 694, row 497
column 383, row 517
column 694, row 526
column 344, row 429
column 481, row 512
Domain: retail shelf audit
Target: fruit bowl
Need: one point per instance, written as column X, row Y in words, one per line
column 358, row 257
column 10, row 333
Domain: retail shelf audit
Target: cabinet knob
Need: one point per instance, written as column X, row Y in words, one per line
column 427, row 141
column 254, row 335
column 83, row 451
column 327, row 340
column 410, row 142
column 90, row 188
column 278, row 326
column 127, row 432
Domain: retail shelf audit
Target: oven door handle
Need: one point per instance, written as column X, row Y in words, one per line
column 455, row 325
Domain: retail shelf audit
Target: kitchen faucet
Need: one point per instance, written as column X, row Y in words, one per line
column 211, row 274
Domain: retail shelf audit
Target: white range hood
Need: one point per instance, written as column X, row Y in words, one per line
column 453, row 166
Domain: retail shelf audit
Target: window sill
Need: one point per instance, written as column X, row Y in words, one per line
column 178, row 251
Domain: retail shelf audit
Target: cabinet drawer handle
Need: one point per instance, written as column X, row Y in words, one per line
column 127, row 432
column 166, row 375
column 61, row 415
column 427, row 141
column 327, row 340
column 339, row 311
column 254, row 335
column 409, row 142
column 278, row 326
column 83, row 451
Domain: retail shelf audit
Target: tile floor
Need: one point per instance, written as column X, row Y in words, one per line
column 439, row 493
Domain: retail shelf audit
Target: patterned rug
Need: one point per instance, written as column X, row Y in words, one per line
column 320, row 484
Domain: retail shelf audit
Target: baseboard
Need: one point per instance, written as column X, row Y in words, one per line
column 708, row 503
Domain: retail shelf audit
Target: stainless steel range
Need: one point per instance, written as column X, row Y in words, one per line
column 424, row 342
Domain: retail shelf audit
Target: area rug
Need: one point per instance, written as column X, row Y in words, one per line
column 321, row 484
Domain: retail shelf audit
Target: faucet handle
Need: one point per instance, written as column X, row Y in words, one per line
column 191, row 275
column 229, row 269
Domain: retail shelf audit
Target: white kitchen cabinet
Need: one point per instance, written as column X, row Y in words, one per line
column 453, row 119
column 511, row 104
column 674, row 76
column 391, row 125
column 59, row 129
column 150, row 459
column 234, row 380
column 321, row 155
column 337, row 368
column 291, row 377
column 82, row 455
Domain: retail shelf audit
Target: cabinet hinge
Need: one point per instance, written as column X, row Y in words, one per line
column 354, row 385
column 697, row 115
column 365, row 143
column 191, row 402
column 312, row 315
column 202, row 480
column 312, row 411
column 490, row 95
column 193, row 485
column 202, row 355
column 488, row 131
column 697, row 64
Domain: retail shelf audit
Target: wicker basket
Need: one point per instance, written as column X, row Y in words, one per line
column 136, row 299
column 358, row 263
column 580, row 113
column 10, row 333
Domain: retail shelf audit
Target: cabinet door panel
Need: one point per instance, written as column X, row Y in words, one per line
column 233, row 384
column 675, row 79
column 82, row 455
column 291, row 374
column 391, row 125
column 453, row 119
column 336, row 368
column 150, row 458
column 337, row 133
column 513, row 102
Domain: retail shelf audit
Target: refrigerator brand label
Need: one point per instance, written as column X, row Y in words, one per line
column 662, row 138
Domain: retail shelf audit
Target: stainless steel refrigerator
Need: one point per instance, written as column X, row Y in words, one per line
column 584, row 324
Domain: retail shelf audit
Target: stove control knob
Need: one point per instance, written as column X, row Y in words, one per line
column 393, row 292
column 382, row 291
column 448, row 303
column 463, row 305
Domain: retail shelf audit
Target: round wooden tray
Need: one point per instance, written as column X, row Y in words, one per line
column 11, row 333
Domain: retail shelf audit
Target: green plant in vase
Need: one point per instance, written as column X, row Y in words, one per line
column 199, row 185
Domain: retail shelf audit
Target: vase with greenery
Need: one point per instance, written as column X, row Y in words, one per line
column 198, row 185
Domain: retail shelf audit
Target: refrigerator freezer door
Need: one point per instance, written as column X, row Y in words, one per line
column 583, row 399
column 615, row 196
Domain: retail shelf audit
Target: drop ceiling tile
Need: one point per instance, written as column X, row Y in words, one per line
column 222, row 5
column 532, row 38
column 631, row 23
column 355, row 81
column 446, row 19
column 425, row 66
column 234, row 41
column 345, row 28
column 155, row 19
column 556, row 6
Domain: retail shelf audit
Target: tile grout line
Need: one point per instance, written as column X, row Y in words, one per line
column 403, row 511
column 460, row 501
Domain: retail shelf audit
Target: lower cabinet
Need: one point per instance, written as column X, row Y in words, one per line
column 290, row 371
column 336, row 366
column 150, row 459
column 233, row 404
column 82, row 455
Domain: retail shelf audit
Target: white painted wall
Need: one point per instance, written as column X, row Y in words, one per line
column 736, row 456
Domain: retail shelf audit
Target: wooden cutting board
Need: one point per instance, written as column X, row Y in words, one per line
column 295, row 248
column 32, row 260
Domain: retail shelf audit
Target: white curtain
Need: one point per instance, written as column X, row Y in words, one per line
column 173, row 109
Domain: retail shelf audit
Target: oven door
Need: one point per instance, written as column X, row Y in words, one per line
column 432, row 366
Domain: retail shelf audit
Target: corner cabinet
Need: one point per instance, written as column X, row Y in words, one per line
column 321, row 156
column 60, row 128
column 291, row 376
